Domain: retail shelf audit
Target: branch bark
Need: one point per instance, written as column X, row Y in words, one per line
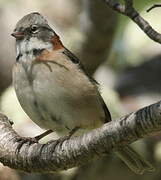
column 56, row 155
column 129, row 10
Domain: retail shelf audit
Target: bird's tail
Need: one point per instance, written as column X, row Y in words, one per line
column 134, row 161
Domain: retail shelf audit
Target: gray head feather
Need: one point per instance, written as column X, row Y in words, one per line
column 30, row 19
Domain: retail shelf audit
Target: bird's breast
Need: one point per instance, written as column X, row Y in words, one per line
column 57, row 95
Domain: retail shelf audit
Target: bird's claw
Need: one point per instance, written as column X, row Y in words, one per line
column 22, row 140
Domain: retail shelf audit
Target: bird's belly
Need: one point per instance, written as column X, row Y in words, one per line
column 27, row 97
column 52, row 104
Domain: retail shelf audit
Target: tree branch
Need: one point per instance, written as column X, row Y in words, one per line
column 129, row 10
column 56, row 155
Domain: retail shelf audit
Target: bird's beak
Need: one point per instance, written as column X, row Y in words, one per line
column 18, row 35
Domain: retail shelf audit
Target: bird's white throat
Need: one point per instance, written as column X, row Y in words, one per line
column 24, row 48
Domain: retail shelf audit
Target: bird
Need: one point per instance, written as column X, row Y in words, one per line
column 55, row 90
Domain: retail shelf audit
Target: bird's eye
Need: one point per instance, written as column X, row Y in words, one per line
column 34, row 28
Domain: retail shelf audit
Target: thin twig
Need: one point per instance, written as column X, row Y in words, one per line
column 152, row 7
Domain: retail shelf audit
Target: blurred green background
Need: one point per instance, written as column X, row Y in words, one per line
column 125, row 62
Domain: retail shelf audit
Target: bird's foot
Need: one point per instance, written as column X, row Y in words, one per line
column 64, row 138
column 31, row 140
column 22, row 140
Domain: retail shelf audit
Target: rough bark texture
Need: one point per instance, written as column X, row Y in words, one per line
column 55, row 155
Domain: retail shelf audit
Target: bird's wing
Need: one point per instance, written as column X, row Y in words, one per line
column 75, row 60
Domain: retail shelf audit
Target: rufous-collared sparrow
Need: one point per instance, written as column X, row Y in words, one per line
column 53, row 87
